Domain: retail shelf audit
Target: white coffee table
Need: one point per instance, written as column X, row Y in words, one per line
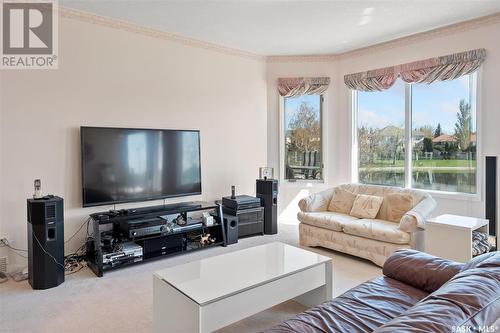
column 208, row 294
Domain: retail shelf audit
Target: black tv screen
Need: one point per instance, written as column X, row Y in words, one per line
column 123, row 164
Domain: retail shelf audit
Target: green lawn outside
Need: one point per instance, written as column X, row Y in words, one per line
column 422, row 163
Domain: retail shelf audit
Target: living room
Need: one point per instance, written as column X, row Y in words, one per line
column 395, row 102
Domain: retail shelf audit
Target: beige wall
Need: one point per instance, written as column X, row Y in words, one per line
column 338, row 98
column 108, row 77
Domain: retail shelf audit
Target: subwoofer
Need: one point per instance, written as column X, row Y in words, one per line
column 231, row 225
column 267, row 192
column 45, row 242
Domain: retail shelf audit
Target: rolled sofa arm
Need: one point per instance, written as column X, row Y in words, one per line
column 416, row 217
column 420, row 270
column 317, row 202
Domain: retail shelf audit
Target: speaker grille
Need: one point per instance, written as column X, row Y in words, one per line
column 51, row 212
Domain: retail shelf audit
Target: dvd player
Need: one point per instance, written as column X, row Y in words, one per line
column 125, row 252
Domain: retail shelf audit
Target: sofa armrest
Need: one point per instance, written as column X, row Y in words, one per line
column 317, row 202
column 416, row 217
column 420, row 270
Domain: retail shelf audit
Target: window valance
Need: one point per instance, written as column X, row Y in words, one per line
column 295, row 86
column 443, row 68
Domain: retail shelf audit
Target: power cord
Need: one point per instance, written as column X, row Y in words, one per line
column 87, row 221
column 5, row 242
column 47, row 253
column 72, row 262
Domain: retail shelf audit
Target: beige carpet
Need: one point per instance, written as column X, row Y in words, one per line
column 121, row 301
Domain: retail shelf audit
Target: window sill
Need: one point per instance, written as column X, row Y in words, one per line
column 453, row 195
column 303, row 183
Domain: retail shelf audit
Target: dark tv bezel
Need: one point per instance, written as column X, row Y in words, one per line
column 84, row 205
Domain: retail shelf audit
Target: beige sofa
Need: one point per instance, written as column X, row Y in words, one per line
column 373, row 239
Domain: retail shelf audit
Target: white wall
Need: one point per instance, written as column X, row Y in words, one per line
column 109, row 77
column 338, row 98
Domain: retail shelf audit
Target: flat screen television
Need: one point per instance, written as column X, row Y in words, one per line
column 127, row 164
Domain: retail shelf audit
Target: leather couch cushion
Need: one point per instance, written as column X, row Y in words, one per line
column 366, row 206
column 381, row 230
column 342, row 201
column 469, row 301
column 420, row 270
column 328, row 220
column 362, row 309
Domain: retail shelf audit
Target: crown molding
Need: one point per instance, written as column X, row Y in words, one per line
column 154, row 33
column 113, row 23
column 304, row 58
column 402, row 41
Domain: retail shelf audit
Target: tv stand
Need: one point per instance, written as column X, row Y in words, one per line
column 108, row 236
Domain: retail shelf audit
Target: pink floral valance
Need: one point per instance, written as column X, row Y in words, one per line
column 425, row 71
column 295, row 86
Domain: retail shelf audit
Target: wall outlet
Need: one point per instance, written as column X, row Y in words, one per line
column 4, row 241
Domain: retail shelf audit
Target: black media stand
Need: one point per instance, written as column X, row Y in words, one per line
column 114, row 244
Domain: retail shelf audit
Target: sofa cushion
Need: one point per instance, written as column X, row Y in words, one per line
column 342, row 201
column 397, row 205
column 361, row 309
column 328, row 220
column 366, row 206
column 381, row 230
column 382, row 191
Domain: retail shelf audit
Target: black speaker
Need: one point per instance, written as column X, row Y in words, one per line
column 267, row 191
column 491, row 193
column 231, row 225
column 45, row 242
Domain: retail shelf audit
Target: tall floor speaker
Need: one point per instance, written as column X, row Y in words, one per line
column 267, row 191
column 491, row 194
column 45, row 243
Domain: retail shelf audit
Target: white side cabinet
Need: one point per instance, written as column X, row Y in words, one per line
column 450, row 236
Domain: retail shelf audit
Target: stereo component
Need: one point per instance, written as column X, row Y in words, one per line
column 144, row 227
column 240, row 202
column 123, row 252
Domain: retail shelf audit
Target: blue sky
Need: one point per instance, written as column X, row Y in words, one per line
column 432, row 104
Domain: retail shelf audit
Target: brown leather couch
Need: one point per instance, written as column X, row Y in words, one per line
column 418, row 293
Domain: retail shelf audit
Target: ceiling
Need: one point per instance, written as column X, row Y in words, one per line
column 290, row 27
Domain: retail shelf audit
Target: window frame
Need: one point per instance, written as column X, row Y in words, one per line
column 474, row 87
column 282, row 145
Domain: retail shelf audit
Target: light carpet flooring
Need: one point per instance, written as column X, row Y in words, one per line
column 121, row 301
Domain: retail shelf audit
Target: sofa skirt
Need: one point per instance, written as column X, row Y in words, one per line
column 373, row 250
